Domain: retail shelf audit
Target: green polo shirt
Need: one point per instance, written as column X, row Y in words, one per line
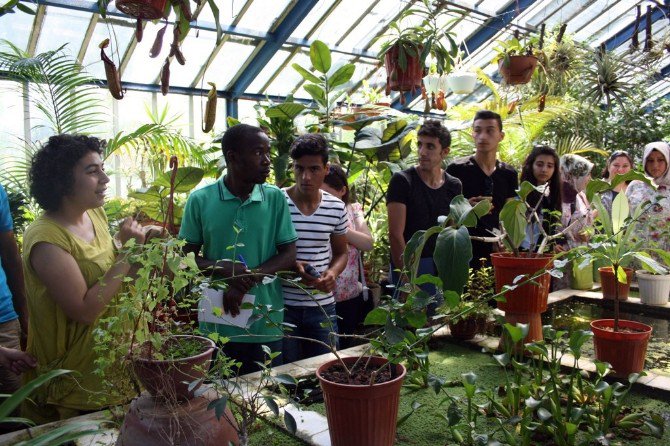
column 263, row 222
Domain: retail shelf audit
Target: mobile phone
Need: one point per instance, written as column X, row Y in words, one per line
column 309, row 269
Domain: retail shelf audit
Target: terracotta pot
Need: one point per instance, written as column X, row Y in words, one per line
column 609, row 281
column 362, row 415
column 527, row 298
column 519, row 70
column 142, row 9
column 624, row 351
column 466, row 329
column 399, row 79
column 152, row 422
column 654, row 288
column 170, row 379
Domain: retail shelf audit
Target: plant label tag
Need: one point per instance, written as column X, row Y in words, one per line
column 210, row 309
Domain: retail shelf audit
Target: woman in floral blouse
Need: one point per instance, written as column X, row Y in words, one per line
column 619, row 163
column 655, row 221
column 349, row 288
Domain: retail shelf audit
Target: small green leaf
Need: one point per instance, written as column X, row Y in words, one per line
column 319, row 55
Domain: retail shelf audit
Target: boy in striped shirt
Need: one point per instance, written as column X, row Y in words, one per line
column 320, row 219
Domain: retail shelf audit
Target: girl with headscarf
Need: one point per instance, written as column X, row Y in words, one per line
column 576, row 173
column 656, row 218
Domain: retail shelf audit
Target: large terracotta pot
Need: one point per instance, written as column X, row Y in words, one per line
column 519, row 70
column 609, row 281
column 527, row 298
column 625, row 351
column 142, row 9
column 399, row 79
column 362, row 415
column 152, row 422
column 170, row 379
column 466, row 329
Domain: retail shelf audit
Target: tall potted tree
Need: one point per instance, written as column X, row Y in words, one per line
column 620, row 342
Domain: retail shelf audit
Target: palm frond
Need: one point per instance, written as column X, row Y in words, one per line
column 57, row 86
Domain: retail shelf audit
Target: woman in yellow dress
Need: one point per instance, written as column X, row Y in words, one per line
column 72, row 275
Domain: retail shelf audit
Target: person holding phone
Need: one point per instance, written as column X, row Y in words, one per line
column 321, row 221
column 485, row 177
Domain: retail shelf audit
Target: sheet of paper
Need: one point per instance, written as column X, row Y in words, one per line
column 212, row 299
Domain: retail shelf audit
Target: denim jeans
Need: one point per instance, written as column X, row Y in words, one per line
column 426, row 266
column 307, row 322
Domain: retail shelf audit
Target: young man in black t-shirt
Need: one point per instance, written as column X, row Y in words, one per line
column 483, row 176
column 417, row 196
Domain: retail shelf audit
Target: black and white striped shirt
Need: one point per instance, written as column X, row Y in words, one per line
column 313, row 245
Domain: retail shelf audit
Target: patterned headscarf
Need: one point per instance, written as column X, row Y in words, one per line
column 575, row 170
column 664, row 149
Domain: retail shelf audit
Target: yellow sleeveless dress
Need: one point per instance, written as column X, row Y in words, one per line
column 58, row 342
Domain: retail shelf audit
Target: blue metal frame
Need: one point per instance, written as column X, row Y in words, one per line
column 482, row 36
column 271, row 46
column 626, row 33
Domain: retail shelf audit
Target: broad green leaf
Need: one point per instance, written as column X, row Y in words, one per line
column 377, row 316
column 513, row 216
column 417, row 319
column 219, row 406
column 287, row 110
column 319, row 55
column 452, row 255
column 620, row 212
column 306, row 75
column 317, row 93
column 272, row 404
column 186, row 179
column 290, row 423
column 524, row 189
column 342, row 75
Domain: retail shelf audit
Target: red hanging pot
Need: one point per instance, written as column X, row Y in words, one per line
column 517, row 70
column 403, row 80
column 142, row 9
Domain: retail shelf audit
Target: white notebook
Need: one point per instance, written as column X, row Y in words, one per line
column 212, row 299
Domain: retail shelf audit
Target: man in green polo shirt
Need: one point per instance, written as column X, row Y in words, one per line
column 241, row 210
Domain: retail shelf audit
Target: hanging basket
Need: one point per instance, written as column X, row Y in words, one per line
column 461, row 82
column 142, row 9
column 518, row 70
column 399, row 79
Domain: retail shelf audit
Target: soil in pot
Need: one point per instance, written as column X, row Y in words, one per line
column 361, row 375
column 182, row 360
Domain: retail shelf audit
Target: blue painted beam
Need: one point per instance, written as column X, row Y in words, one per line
column 627, row 32
column 271, row 46
column 231, row 108
column 483, row 35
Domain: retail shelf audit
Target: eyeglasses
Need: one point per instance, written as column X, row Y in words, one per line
column 488, row 187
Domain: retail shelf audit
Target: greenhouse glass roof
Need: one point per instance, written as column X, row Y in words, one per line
column 263, row 38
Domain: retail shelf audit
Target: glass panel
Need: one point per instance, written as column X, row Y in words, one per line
column 120, row 34
column 177, row 111
column 607, row 24
column 374, row 21
column 246, row 112
column 340, row 20
column 228, row 62
column 314, row 15
column 16, row 28
column 196, row 50
column 261, row 14
column 228, row 12
column 142, row 68
column 288, row 79
column 63, row 26
column 11, row 116
column 277, row 60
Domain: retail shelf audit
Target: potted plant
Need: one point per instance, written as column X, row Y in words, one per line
column 654, row 286
column 405, row 51
column 622, row 343
column 460, row 80
column 516, row 61
column 471, row 314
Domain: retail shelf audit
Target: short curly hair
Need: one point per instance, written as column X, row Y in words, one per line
column 51, row 174
column 310, row 144
column 434, row 129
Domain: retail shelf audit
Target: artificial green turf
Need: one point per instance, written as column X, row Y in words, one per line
column 449, row 361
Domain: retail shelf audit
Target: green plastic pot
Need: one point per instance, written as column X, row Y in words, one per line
column 597, row 263
column 581, row 278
